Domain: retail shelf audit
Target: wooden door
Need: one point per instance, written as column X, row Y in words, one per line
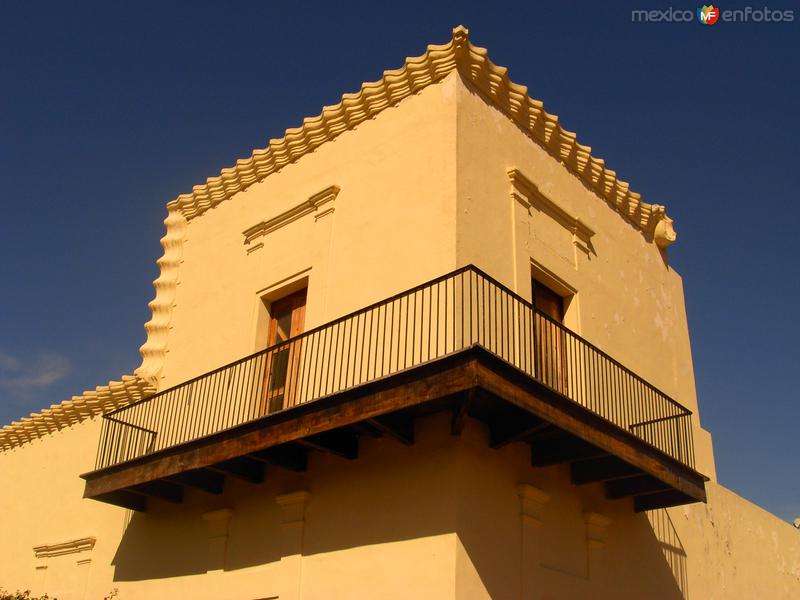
column 551, row 339
column 287, row 316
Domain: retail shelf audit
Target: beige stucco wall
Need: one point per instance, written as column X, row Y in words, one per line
column 736, row 549
column 440, row 519
column 41, row 504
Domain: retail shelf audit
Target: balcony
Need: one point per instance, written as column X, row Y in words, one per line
column 461, row 343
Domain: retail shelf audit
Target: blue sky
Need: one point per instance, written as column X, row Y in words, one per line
column 109, row 110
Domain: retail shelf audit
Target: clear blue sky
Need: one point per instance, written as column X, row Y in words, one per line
column 109, row 110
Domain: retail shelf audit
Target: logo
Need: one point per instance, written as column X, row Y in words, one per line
column 708, row 15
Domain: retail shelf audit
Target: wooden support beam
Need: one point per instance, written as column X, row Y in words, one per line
column 365, row 428
column 555, row 449
column 125, row 499
column 461, row 410
column 633, row 486
column 518, row 430
column 339, row 442
column 204, row 480
column 604, row 468
column 400, row 427
column 242, row 467
column 289, row 456
column 661, row 500
column 161, row 489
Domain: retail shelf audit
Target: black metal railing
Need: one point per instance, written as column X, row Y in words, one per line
column 433, row 320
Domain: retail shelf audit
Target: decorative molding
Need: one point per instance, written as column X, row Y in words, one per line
column 79, row 408
column 293, row 521
column 323, row 201
column 596, row 526
column 530, row 196
column 293, row 506
column 664, row 232
column 532, row 501
column 70, row 547
column 285, row 285
column 154, row 349
column 320, row 203
column 561, row 286
column 492, row 81
column 218, row 522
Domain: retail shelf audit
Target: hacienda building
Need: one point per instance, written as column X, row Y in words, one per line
column 426, row 345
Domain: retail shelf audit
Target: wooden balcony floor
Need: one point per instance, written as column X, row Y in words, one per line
column 471, row 383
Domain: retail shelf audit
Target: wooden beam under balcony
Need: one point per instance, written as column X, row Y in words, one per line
column 400, row 427
column 471, row 383
column 200, row 479
column 343, row 444
column 557, row 446
column 505, row 432
column 634, row 486
column 241, row 467
column 124, row 498
column 603, row 468
column 461, row 410
column 289, row 456
column 162, row 489
column 663, row 499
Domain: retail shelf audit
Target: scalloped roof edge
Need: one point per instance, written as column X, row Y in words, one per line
column 473, row 64
column 75, row 410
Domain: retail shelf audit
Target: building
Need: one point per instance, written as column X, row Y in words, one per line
column 426, row 345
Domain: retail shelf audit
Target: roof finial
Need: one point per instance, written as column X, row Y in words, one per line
column 460, row 33
column 460, row 40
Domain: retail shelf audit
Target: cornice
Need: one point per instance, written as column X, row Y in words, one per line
column 79, row 408
column 473, row 64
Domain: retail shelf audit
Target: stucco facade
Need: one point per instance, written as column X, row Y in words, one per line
column 441, row 175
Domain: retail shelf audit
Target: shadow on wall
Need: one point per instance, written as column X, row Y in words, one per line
column 394, row 493
column 575, row 544
column 375, row 499
column 671, row 547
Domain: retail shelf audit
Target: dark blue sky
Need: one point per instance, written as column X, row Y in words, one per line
column 109, row 110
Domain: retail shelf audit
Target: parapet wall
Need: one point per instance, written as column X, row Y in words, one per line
column 736, row 550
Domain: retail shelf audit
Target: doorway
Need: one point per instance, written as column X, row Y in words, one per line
column 287, row 318
column 551, row 367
